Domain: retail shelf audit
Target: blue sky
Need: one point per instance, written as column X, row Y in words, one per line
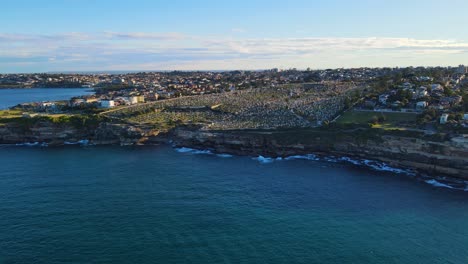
column 85, row 35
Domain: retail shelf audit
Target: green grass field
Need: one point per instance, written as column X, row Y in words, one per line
column 391, row 120
column 10, row 113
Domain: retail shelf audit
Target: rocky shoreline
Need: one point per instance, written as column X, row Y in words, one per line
column 437, row 158
column 433, row 158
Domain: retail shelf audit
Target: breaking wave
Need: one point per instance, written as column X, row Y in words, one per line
column 83, row 142
column 224, row 155
column 194, row 151
column 33, row 144
column 436, row 183
column 264, row 160
column 374, row 165
column 303, row 157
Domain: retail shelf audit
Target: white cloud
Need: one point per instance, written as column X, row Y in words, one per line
column 141, row 50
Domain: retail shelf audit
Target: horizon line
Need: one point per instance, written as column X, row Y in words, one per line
column 225, row 70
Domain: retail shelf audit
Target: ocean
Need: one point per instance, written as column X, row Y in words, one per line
column 12, row 97
column 157, row 204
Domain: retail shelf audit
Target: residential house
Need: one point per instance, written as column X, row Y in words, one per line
column 383, row 98
column 107, row 103
column 76, row 101
column 91, row 100
column 133, row 100
column 421, row 105
column 421, row 92
column 451, row 101
column 437, row 88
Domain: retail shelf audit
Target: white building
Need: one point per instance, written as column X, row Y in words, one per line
column 421, row 92
column 133, row 100
column 47, row 104
column 107, row 103
column 444, row 118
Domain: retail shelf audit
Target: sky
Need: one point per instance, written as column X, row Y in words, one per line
column 140, row 35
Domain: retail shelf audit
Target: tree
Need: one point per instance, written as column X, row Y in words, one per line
column 448, row 91
column 465, row 103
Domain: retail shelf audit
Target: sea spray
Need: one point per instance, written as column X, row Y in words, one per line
column 194, row 151
column 264, row 160
column 436, row 183
column 371, row 164
column 33, row 144
column 302, row 157
column 224, row 155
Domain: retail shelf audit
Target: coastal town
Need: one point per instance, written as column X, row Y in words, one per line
column 422, row 98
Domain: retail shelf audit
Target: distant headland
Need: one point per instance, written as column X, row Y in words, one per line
column 407, row 117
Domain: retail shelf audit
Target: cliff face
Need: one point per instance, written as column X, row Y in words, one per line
column 13, row 133
column 434, row 157
column 448, row 158
column 58, row 134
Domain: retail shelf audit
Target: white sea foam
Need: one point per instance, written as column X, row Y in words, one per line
column 350, row 160
column 184, row 150
column 436, row 183
column 303, row 157
column 83, row 142
column 206, row 152
column 331, row 159
column 224, row 155
column 33, row 144
column 380, row 166
column 193, row 151
column 264, row 160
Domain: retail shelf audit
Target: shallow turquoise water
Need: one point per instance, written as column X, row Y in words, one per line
column 155, row 205
column 12, row 97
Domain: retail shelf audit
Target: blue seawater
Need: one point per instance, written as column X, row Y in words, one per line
column 12, row 97
column 159, row 205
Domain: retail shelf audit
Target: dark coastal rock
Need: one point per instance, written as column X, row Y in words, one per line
column 447, row 158
column 433, row 157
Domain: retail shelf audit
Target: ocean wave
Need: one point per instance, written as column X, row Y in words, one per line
column 83, row 142
column 194, row 151
column 331, row 159
column 303, row 157
column 33, row 144
column 352, row 161
column 380, row 166
column 374, row 165
column 224, row 155
column 264, row 160
column 436, row 183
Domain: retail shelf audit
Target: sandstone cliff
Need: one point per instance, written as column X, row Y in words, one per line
column 434, row 157
column 448, row 157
